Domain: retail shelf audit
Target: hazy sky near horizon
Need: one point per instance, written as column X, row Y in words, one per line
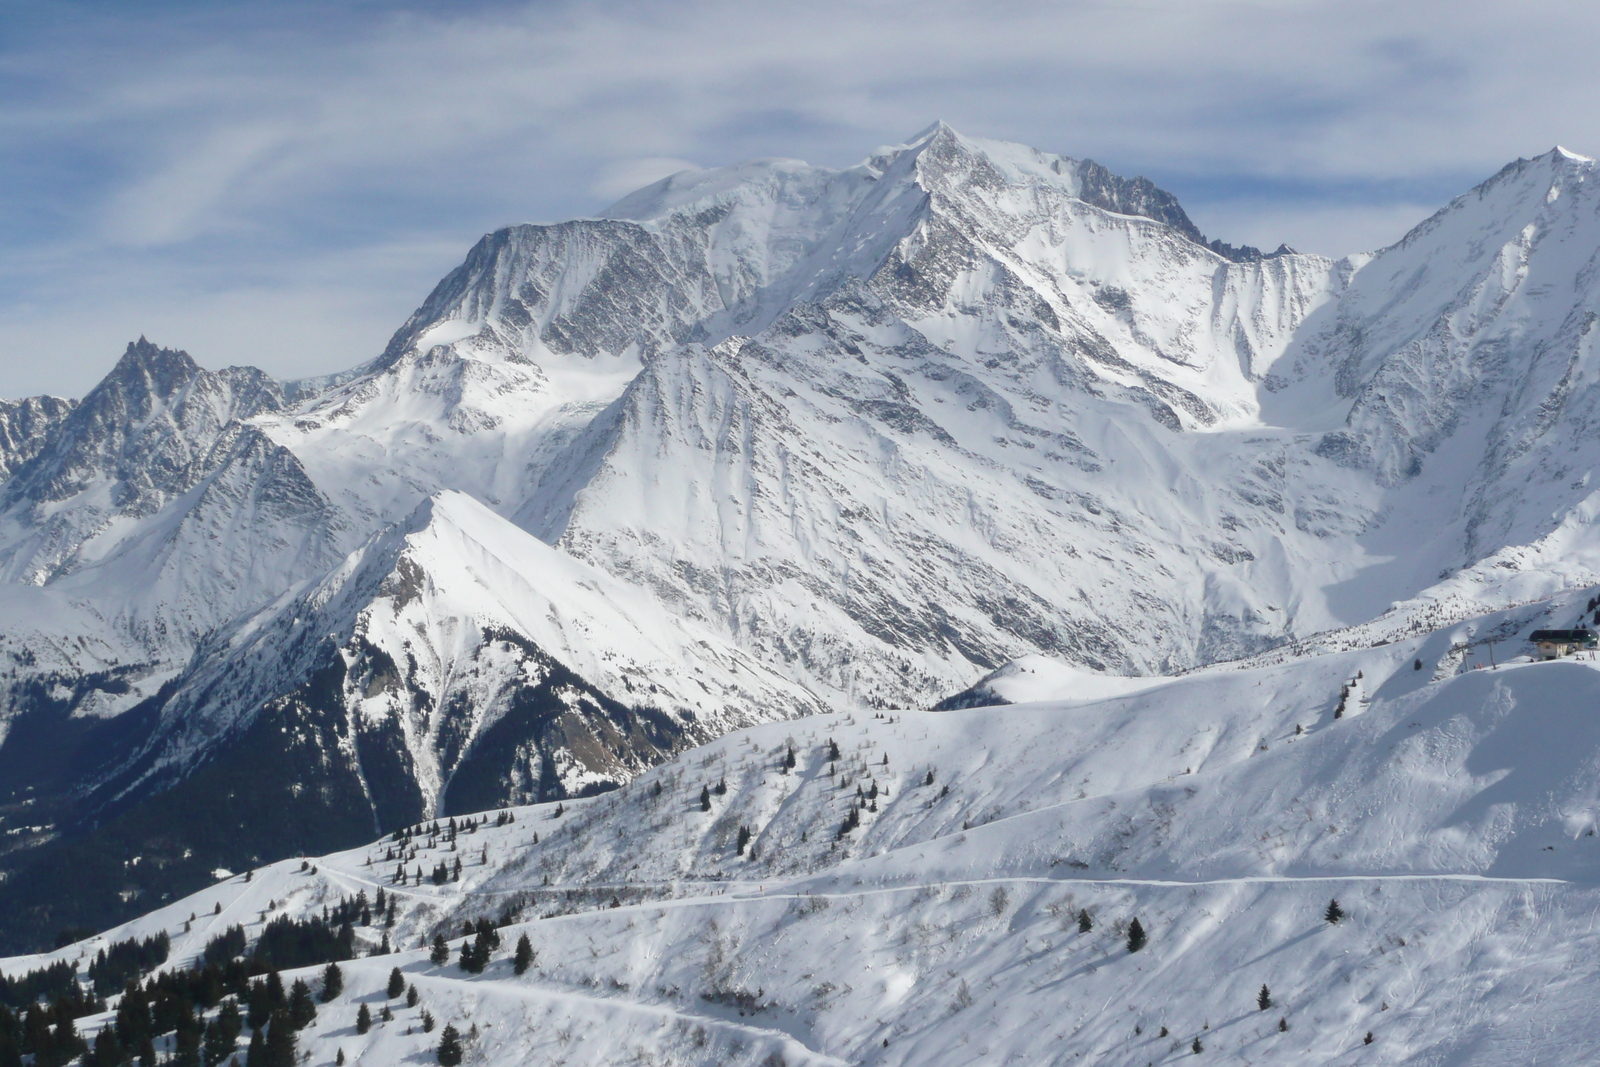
column 282, row 183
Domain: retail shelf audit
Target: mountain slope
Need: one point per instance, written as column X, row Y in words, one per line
column 451, row 663
column 945, row 928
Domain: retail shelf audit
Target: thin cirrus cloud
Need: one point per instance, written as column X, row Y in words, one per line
column 281, row 184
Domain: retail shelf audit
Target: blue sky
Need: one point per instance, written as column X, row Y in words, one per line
column 281, row 183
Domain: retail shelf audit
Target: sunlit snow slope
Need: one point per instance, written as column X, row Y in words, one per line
column 1452, row 819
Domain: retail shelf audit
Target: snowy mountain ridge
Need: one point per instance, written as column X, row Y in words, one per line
column 759, row 441
column 984, row 915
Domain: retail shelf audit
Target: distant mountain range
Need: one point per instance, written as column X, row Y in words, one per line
column 759, row 442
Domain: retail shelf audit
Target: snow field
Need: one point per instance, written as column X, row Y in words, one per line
column 1450, row 818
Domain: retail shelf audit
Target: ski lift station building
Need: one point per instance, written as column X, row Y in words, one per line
column 1553, row 644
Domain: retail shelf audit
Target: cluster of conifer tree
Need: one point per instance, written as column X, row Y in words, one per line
column 38, row 1009
column 113, row 967
column 405, row 847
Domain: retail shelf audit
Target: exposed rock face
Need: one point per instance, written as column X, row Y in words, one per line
column 25, row 426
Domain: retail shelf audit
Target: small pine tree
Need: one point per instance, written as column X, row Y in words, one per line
column 744, row 839
column 1334, row 912
column 524, row 955
column 705, row 798
column 302, row 1008
column 449, row 1053
column 469, row 961
column 280, row 1047
column 1197, row 1047
column 833, row 750
column 1136, row 936
column 1264, row 998
column 1085, row 922
column 439, row 955
column 1368, row 1039
column 722, row 787
column 1283, row 1025
column 385, row 1014
column 412, row 996
column 788, row 760
column 363, row 1019
column 332, row 982
column 338, row 1059
column 928, row 780
column 427, row 1021
column 397, row 984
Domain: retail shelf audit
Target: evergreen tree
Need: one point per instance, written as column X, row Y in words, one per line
column 279, row 1049
column 449, row 1053
column 439, row 955
column 1136, row 936
column 1085, row 923
column 722, row 787
column 332, row 982
column 185, row 1048
column 524, row 957
column 833, row 750
column 1368, row 1039
column 221, row 1035
column 788, row 760
column 427, row 1021
column 411, row 996
column 705, row 798
column 744, row 839
column 106, row 1052
column 1264, row 998
column 256, row 1054
column 1283, row 1025
column 928, row 780
column 397, row 984
column 385, row 1015
column 1197, row 1047
column 302, row 1008
column 338, row 1059
column 1334, row 912
column 363, row 1019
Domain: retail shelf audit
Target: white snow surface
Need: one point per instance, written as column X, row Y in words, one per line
column 774, row 439
column 1450, row 811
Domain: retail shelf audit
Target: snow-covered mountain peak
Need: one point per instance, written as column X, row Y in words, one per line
column 773, row 436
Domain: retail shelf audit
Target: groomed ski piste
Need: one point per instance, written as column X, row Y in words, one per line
column 1451, row 811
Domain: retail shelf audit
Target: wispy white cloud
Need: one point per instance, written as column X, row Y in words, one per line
column 198, row 162
column 621, row 176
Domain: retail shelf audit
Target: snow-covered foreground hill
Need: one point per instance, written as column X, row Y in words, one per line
column 1450, row 811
